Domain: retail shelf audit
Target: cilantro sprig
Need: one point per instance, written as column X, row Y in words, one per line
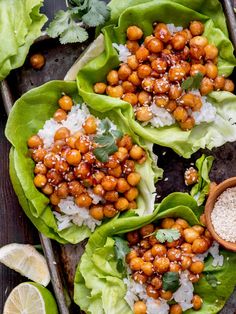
column 192, row 82
column 164, row 235
column 121, row 250
column 71, row 25
column 170, row 281
column 106, row 140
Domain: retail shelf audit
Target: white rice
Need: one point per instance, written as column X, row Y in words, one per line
column 95, row 198
column 207, row 112
column 157, row 306
column 123, row 52
column 74, row 214
column 218, row 260
column 161, row 117
column 174, row 29
column 184, row 294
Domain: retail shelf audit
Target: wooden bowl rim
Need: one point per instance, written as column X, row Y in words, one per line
column 219, row 189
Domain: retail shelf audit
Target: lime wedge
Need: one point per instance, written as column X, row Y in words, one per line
column 27, row 261
column 92, row 51
column 30, row 298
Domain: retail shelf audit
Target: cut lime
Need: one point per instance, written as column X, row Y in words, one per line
column 26, row 260
column 30, row 298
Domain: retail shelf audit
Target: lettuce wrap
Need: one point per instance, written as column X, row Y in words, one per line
column 20, row 25
column 28, row 116
column 143, row 14
column 99, row 286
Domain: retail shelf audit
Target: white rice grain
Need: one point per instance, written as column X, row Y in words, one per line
column 123, row 52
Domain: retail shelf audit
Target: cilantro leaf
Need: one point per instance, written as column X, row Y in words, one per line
column 59, row 24
column 101, row 154
column 170, row 281
column 73, row 34
column 117, row 133
column 97, row 13
column 104, row 139
column 192, row 82
column 105, row 125
column 168, row 235
column 121, row 250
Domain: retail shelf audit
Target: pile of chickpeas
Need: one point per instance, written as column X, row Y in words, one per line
column 149, row 259
column 69, row 168
column 158, row 64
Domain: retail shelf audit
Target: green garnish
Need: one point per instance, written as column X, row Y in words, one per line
column 70, row 25
column 170, row 281
column 106, row 141
column 121, row 250
column 168, row 235
column 192, row 82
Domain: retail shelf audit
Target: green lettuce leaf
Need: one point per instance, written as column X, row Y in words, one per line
column 20, row 25
column 143, row 13
column 38, row 105
column 99, row 286
column 201, row 189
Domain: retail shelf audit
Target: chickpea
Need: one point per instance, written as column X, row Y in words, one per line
column 82, row 144
column 122, row 154
column 161, row 86
column 152, row 240
column 83, row 170
column 182, row 222
column 99, row 88
column 133, row 237
column 109, row 211
column 186, row 262
column 136, row 263
column 144, row 98
column 99, row 190
column 187, row 100
column 130, row 98
column 206, row 86
column 65, row 102
column 34, row 141
column 211, row 70
column 159, row 65
column 143, row 114
column 73, row 157
column 90, row 125
column 173, row 243
column 61, row 166
column 124, row 72
column 197, row 302
column 186, row 248
column 211, row 52
column 112, row 162
column 133, row 205
column 142, row 54
column 134, row 178
column 128, row 87
column 196, row 28
column 188, row 124
column 178, row 41
column 174, row 254
column 161, row 32
column 96, row 211
column 176, row 309
column 115, row 172
column 61, row 134
column 155, row 45
column 132, row 254
column 60, row 115
column 113, row 78
column 109, row 183
column 197, row 52
column 156, row 283
column 186, row 66
column 111, row 196
column 140, row 307
column 62, row 190
column 198, row 68
column 148, row 84
column 190, row 235
column 147, row 268
column 144, row 70
column 132, row 62
column 180, row 114
column 75, row 188
column 144, row 244
column 54, row 178
column 199, row 229
column 197, row 267
column 136, row 152
column 167, row 223
column 219, row 82
column 147, row 256
column 175, row 91
column 174, row 267
column 134, row 79
column 132, row 194
column 128, row 167
column 40, row 168
column 47, row 189
column 37, row 61
column 132, row 45
column 83, row 200
column 152, row 292
column 199, row 246
column 139, row 277
column 161, row 264
column 177, row 227
column 176, row 73
column 126, row 143
column 50, row 160
column 229, row 85
column 199, row 41
column 161, row 100
column 194, row 278
column 166, row 295
column 134, row 33
column 146, row 230
column 115, row 91
column 40, row 180
column 197, row 103
column 54, row 199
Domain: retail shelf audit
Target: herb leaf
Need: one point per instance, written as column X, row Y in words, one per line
column 97, row 14
column 170, row 281
column 121, row 250
column 59, row 24
column 73, row 34
column 168, row 235
column 212, row 280
column 192, row 82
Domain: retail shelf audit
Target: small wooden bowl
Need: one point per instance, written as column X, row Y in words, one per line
column 214, row 194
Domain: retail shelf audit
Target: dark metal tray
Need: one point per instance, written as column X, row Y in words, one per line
column 63, row 259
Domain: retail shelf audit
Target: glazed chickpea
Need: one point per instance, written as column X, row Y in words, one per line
column 211, row 52
column 178, row 41
column 196, row 28
column 34, row 141
column 167, row 223
column 174, row 254
column 136, row 152
column 61, row 134
column 140, row 307
column 113, row 78
column 147, row 256
column 90, row 125
column 132, row 194
column 83, row 200
column 186, row 66
column 180, row 114
column 166, row 295
column 199, row 229
column 144, row 70
column 190, row 176
column 54, row 178
column 75, row 188
column 155, row 45
column 146, row 230
column 134, row 79
column 156, row 283
column 109, row 211
column 176, row 309
column 197, row 267
column 54, row 199
column 152, row 240
column 128, row 87
column 98, row 190
column 152, row 292
column 40, row 168
column 143, row 114
column 197, row 52
column 62, row 190
column 100, row 88
column 109, row 183
column 199, row 41
column 126, row 143
column 161, row 86
column 219, row 82
column 199, row 246
column 115, row 91
column 206, row 86
column 83, row 170
column 82, row 144
column 65, row 102
column 61, row 166
column 187, row 100
column 229, row 85
column 111, row 196
column 37, row 61
column 142, row 54
column 128, row 167
column 175, row 91
column 144, row 98
column 60, row 115
column 133, row 205
column 47, row 189
column 161, row 32
column 177, row 227
column 147, row 268
column 194, row 278
column 186, row 262
column 73, row 157
column 148, row 84
column 211, row 70
column 158, row 250
column 198, row 68
column 188, row 124
column 197, row 302
column 139, row 277
column 133, row 237
column 132, row 254
column 182, row 222
column 159, row 65
column 132, row 62
column 161, row 100
column 124, row 72
column 71, row 141
column 130, row 98
column 136, row 263
column 186, row 248
column 122, row 185
column 174, row 267
column 115, row 172
column 50, row 160
column 144, row 244
column 190, row 235
column 176, row 73
column 134, row 33
column 132, row 45
column 161, row 264
column 134, row 178
column 96, row 211
column 40, row 180
column 122, row 154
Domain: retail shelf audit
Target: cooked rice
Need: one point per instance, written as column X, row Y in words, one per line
column 184, row 294
column 161, row 117
column 174, row 29
column 214, row 250
column 123, row 52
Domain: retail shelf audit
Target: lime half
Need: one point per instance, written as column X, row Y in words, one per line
column 30, row 298
column 27, row 261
